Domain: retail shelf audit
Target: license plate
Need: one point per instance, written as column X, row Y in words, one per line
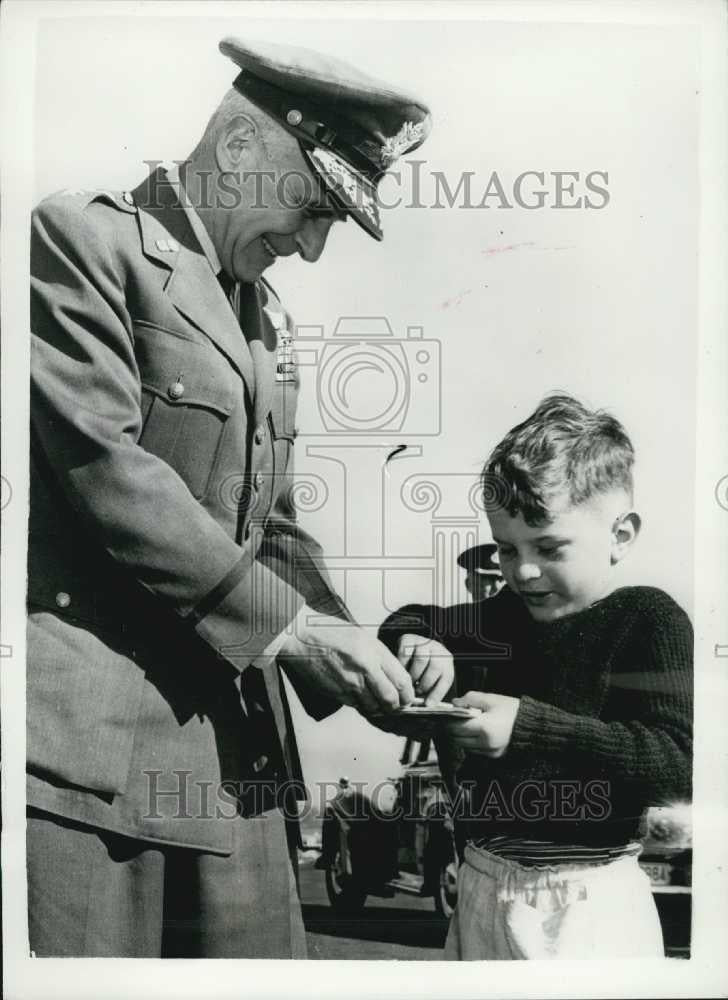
column 659, row 873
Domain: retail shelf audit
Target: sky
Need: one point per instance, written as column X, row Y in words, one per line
column 463, row 317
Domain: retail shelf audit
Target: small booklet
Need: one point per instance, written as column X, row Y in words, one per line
column 439, row 710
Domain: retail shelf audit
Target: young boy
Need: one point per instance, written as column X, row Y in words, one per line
column 585, row 692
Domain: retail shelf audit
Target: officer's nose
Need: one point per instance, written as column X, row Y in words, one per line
column 311, row 237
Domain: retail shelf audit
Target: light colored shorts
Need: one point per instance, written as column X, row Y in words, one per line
column 508, row 911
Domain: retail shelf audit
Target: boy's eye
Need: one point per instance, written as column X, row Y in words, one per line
column 506, row 551
column 550, row 551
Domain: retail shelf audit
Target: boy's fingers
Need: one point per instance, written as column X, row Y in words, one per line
column 474, row 699
column 418, row 668
column 438, row 692
column 408, row 646
column 404, row 652
column 427, row 680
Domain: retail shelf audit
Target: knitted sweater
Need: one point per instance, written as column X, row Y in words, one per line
column 604, row 726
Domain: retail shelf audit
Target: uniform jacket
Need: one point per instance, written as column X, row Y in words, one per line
column 164, row 556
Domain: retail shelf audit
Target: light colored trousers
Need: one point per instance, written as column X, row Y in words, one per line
column 508, row 911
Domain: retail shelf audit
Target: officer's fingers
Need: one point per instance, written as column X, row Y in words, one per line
column 367, row 704
column 397, row 676
column 381, row 691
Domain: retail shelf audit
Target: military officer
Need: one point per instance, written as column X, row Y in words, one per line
column 483, row 574
column 165, row 561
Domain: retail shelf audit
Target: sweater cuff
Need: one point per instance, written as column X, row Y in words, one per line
column 542, row 726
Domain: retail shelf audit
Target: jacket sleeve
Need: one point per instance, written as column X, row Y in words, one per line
column 297, row 559
column 86, row 418
column 647, row 745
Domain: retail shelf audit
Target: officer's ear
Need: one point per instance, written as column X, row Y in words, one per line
column 234, row 143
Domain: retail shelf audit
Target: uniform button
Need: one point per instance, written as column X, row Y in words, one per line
column 258, row 480
column 259, row 434
column 63, row 599
column 176, row 390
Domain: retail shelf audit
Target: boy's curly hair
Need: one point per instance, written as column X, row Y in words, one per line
column 562, row 448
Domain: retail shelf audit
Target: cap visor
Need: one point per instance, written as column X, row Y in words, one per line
column 356, row 195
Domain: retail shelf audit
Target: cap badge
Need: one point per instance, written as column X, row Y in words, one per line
column 395, row 145
column 341, row 176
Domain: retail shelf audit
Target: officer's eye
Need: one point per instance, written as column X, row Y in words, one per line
column 323, row 212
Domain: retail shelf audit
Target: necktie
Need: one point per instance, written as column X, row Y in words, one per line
column 229, row 286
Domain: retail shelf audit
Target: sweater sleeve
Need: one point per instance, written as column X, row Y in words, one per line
column 415, row 619
column 644, row 742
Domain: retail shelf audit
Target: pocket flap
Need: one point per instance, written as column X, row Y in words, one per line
column 183, row 372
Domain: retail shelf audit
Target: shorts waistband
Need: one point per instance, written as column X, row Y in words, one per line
column 546, row 876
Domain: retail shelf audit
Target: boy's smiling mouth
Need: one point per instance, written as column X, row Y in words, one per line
column 536, row 596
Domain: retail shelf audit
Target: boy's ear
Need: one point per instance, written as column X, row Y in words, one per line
column 233, row 143
column 625, row 530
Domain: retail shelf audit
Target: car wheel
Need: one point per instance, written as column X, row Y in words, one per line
column 446, row 891
column 345, row 895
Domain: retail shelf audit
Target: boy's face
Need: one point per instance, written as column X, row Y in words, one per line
column 563, row 565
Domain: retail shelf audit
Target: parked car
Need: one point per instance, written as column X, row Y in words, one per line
column 410, row 847
column 667, row 858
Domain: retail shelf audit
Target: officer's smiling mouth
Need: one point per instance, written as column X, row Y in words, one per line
column 268, row 248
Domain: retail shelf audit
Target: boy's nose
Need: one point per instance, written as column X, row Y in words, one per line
column 526, row 571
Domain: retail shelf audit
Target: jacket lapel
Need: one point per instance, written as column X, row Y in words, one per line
column 195, row 291
column 192, row 287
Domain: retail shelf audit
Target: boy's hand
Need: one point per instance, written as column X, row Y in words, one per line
column 489, row 733
column 429, row 664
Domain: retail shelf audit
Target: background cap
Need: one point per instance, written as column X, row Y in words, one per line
column 481, row 559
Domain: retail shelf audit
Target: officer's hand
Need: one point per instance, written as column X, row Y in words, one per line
column 429, row 664
column 347, row 664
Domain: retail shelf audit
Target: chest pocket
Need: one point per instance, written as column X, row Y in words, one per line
column 187, row 398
